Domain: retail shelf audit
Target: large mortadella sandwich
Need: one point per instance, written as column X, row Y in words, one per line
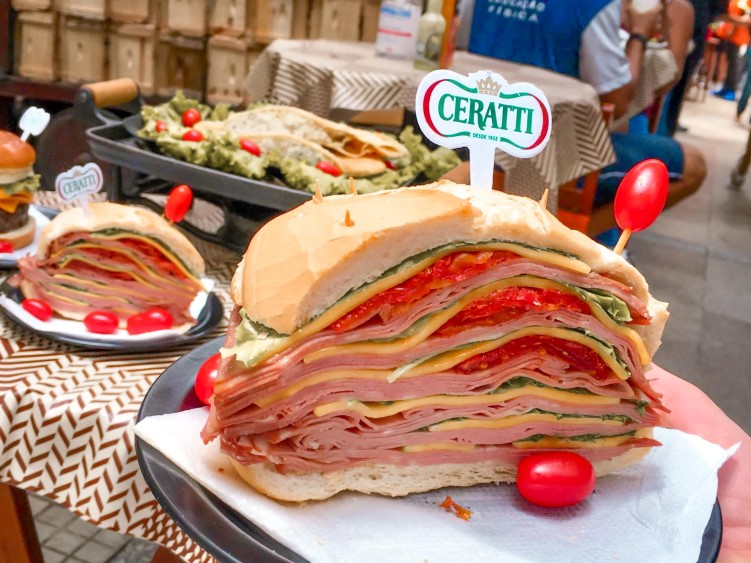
column 120, row 258
column 426, row 337
column 18, row 184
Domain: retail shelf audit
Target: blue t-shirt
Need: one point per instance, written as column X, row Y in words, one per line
column 541, row 33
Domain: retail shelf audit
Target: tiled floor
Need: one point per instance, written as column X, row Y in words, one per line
column 697, row 257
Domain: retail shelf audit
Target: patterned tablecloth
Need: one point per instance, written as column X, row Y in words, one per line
column 321, row 76
column 66, row 418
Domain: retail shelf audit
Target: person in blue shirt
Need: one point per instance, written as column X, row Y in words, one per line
column 581, row 39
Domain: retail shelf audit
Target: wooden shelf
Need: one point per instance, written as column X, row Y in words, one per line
column 12, row 86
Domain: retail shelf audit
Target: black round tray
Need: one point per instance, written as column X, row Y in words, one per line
column 216, row 527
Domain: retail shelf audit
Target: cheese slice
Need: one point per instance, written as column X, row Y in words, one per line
column 377, row 410
column 555, row 443
column 438, row 319
column 166, row 252
column 448, row 360
column 9, row 203
column 518, row 419
column 357, row 298
column 441, row 446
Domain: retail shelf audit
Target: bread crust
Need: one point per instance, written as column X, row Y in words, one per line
column 304, row 261
column 105, row 215
column 15, row 153
column 22, row 236
column 396, row 480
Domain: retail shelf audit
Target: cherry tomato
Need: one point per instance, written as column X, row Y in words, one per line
column 328, row 168
column 6, row 246
column 191, row 117
column 390, row 165
column 205, row 377
column 101, row 322
column 160, row 126
column 555, row 479
column 149, row 321
column 193, row 136
column 37, row 308
column 178, row 203
column 250, row 146
column 641, row 195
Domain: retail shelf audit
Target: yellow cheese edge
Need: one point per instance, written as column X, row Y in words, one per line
column 347, row 304
column 375, row 410
column 167, row 253
column 513, row 420
column 441, row 446
column 441, row 317
column 554, row 443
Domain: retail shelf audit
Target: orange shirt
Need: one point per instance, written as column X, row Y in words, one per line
column 736, row 34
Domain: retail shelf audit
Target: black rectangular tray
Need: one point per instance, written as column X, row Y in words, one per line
column 115, row 144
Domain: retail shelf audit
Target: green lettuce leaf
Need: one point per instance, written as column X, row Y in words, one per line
column 29, row 184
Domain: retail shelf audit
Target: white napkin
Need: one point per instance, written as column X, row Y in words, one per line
column 653, row 511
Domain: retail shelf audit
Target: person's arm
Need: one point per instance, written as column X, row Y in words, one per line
column 693, row 412
column 679, row 30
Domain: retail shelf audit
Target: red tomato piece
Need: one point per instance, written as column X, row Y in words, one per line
column 329, row 168
column 178, row 203
column 160, row 126
column 249, row 146
column 191, row 117
column 389, row 165
column 6, row 246
column 193, row 136
column 204, row 386
column 641, row 196
column 149, row 321
column 37, row 308
column 555, row 479
column 101, row 322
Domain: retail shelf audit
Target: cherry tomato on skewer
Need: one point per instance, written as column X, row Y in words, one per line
column 149, row 321
column 555, row 479
column 191, row 117
column 178, row 203
column 160, row 126
column 37, row 308
column 329, row 168
column 641, row 195
column 6, row 246
column 204, row 385
column 101, row 322
column 249, row 146
column 193, row 136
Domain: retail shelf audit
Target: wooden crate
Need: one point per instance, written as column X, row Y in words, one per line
column 371, row 10
column 273, row 20
column 181, row 64
column 83, row 50
column 340, row 20
column 187, row 17
column 89, row 9
column 21, row 5
column 132, row 52
column 228, row 67
column 132, row 11
column 36, row 45
column 229, row 17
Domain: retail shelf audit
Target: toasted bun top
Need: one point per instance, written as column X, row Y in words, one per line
column 301, row 263
column 15, row 153
column 129, row 218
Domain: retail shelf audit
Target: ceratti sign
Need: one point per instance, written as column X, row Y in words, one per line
column 79, row 182
column 483, row 112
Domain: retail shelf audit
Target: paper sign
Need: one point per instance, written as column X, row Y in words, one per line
column 79, row 182
column 33, row 122
column 483, row 112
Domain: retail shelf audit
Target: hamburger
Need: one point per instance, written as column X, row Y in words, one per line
column 18, row 184
column 426, row 337
column 120, row 258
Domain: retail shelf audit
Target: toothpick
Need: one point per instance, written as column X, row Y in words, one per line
column 544, row 198
column 352, row 187
column 318, row 197
column 625, row 235
column 348, row 222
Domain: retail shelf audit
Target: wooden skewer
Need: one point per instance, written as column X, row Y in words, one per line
column 625, row 235
column 318, row 197
column 348, row 222
column 352, row 187
column 544, row 198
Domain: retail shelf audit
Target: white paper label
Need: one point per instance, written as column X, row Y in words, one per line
column 483, row 112
column 33, row 122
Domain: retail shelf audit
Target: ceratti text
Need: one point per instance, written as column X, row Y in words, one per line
column 496, row 115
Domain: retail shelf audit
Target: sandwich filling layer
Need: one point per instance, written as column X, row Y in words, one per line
column 464, row 353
